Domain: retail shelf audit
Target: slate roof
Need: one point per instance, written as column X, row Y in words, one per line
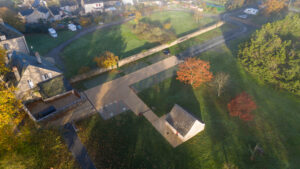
column 68, row 2
column 36, row 3
column 22, row 61
column 26, row 12
column 92, row 1
column 9, row 32
column 55, row 86
column 180, row 119
column 55, row 10
column 42, row 9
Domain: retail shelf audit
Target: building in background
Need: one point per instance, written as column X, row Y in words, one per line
column 11, row 39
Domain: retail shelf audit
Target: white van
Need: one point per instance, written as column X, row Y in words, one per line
column 52, row 32
column 72, row 27
column 251, row 11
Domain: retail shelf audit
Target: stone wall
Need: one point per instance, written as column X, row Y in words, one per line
column 149, row 52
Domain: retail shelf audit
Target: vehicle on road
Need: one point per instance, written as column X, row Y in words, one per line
column 72, row 27
column 251, row 11
column 52, row 32
column 166, row 51
column 243, row 16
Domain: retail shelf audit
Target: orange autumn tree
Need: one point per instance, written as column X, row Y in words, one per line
column 194, row 72
column 274, row 6
column 242, row 106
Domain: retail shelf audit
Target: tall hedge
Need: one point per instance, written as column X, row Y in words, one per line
column 273, row 54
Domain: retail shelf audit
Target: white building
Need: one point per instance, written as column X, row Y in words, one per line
column 183, row 124
column 128, row 2
column 91, row 6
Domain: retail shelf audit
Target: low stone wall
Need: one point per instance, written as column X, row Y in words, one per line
column 149, row 52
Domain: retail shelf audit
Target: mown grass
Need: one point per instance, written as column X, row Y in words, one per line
column 43, row 42
column 129, row 141
column 121, row 41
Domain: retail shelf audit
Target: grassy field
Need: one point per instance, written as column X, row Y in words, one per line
column 121, row 41
column 129, row 68
column 128, row 141
column 43, row 43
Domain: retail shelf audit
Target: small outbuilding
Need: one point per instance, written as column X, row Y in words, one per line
column 183, row 124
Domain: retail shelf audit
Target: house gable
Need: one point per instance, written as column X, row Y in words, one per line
column 35, row 75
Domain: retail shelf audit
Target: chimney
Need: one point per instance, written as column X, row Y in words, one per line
column 38, row 57
column 16, row 72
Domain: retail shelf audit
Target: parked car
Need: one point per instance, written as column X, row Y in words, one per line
column 72, row 27
column 251, row 11
column 52, row 32
column 166, row 51
column 243, row 16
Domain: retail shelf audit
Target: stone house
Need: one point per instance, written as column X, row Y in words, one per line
column 91, row 6
column 56, row 13
column 69, row 5
column 34, row 15
column 56, row 97
column 183, row 124
column 29, row 71
column 11, row 39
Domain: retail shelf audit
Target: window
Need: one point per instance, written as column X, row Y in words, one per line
column 47, row 76
column 30, row 83
column 6, row 46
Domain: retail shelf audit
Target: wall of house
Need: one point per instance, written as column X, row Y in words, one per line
column 95, row 7
column 69, row 8
column 35, row 75
column 17, row 44
column 196, row 128
column 36, row 16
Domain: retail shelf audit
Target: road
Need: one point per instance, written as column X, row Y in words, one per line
column 76, row 147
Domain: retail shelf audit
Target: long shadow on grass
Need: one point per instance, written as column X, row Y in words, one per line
column 276, row 123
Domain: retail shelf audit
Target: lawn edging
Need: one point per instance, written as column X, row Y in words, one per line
column 141, row 55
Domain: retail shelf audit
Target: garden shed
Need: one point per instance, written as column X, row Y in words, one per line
column 183, row 124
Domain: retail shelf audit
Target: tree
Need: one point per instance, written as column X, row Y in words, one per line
column 220, row 81
column 152, row 33
column 138, row 17
column 10, row 107
column 108, row 59
column 272, row 54
column 197, row 15
column 84, row 21
column 194, row 72
column 232, row 4
column 274, row 6
column 3, row 68
column 167, row 26
column 241, row 106
column 12, row 18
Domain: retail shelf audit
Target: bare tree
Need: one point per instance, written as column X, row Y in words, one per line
column 220, row 81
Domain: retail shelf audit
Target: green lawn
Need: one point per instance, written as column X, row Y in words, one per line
column 128, row 141
column 121, row 41
column 43, row 43
column 129, row 68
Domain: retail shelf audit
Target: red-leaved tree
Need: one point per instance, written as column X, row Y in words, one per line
column 194, row 72
column 242, row 106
